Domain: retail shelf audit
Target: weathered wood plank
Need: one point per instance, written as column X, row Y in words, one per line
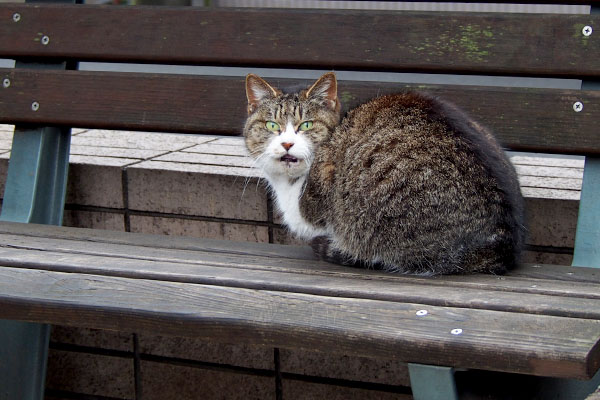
column 187, row 265
column 540, row 120
column 157, row 241
column 533, row 344
column 372, row 40
column 578, row 296
column 558, row 272
column 185, row 248
column 531, row 296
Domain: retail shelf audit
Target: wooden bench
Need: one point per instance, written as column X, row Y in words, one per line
column 538, row 320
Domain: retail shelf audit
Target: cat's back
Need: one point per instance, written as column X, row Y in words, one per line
column 412, row 170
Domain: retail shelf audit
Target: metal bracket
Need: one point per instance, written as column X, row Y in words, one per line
column 37, row 176
column 587, row 238
column 430, row 382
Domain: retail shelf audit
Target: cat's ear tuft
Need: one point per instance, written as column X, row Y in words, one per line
column 325, row 89
column 257, row 89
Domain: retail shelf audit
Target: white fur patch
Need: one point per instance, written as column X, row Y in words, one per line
column 287, row 199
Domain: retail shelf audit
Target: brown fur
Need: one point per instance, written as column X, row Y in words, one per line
column 405, row 183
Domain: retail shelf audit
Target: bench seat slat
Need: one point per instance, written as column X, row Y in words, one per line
column 509, row 293
column 204, row 267
column 253, row 255
column 524, row 295
column 376, row 40
column 540, row 120
column 539, row 345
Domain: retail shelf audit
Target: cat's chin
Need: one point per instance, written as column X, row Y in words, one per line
column 289, row 166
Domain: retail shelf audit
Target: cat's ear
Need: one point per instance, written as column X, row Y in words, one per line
column 325, row 89
column 257, row 89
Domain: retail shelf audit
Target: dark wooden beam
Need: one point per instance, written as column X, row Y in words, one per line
column 540, row 120
column 471, row 43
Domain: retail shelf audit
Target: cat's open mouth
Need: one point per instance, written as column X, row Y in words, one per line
column 288, row 159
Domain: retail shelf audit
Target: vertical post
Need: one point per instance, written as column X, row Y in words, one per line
column 430, row 382
column 37, row 176
column 34, row 193
column 587, row 237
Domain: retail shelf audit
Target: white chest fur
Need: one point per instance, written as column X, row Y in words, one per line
column 287, row 199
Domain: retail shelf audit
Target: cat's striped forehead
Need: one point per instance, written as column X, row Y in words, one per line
column 288, row 107
column 292, row 106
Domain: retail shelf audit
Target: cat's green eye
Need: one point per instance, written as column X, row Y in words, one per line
column 272, row 126
column 306, row 125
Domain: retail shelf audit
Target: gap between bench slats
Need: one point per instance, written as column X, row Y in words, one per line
column 527, row 343
column 509, row 44
column 541, row 120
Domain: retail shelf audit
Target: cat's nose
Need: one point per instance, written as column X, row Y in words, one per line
column 287, row 146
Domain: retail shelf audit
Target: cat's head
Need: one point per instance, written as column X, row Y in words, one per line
column 283, row 130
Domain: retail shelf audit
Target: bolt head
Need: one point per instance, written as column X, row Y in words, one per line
column 456, row 331
column 35, row 106
column 421, row 313
column 45, row 40
column 578, row 106
column 6, row 83
column 16, row 17
column 587, row 30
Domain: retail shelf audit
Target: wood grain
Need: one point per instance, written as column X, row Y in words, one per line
column 224, row 291
column 514, row 44
column 539, row 345
column 532, row 296
column 523, row 119
column 313, row 276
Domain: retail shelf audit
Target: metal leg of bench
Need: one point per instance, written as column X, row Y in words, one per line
column 587, row 238
column 23, row 351
column 430, row 382
column 572, row 389
column 37, row 176
column 34, row 192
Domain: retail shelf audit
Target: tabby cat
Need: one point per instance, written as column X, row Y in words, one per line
column 406, row 183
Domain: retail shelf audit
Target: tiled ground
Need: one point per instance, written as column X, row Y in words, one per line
column 205, row 186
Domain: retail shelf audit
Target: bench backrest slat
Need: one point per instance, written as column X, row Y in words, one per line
column 515, row 44
column 523, row 119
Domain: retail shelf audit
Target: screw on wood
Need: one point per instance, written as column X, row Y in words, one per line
column 578, row 106
column 456, row 331
column 6, row 83
column 421, row 313
column 45, row 40
column 16, row 17
column 587, row 30
column 35, row 106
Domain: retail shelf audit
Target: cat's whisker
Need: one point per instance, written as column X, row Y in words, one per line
column 248, row 177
